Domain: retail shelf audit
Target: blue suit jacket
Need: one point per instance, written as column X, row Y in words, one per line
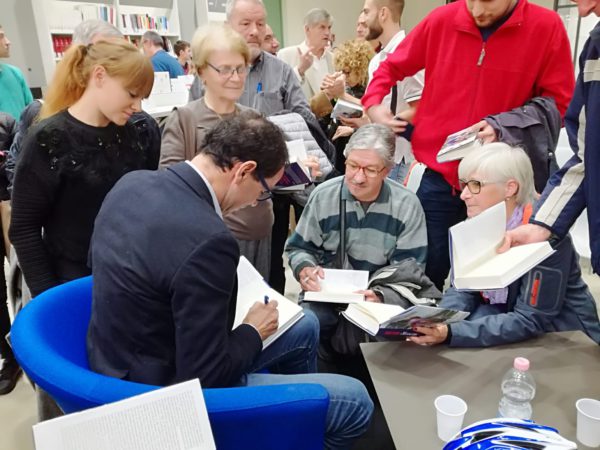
column 164, row 267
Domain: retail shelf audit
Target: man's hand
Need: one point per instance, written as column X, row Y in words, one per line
column 312, row 163
column 309, row 278
column 525, row 234
column 382, row 114
column 306, row 60
column 370, row 296
column 265, row 318
column 342, row 131
column 431, row 335
column 486, row 132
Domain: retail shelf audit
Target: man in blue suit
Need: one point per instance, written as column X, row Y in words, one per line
column 164, row 266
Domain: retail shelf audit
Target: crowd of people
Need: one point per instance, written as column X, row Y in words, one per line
column 161, row 216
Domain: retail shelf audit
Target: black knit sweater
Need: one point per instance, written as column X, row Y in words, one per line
column 65, row 170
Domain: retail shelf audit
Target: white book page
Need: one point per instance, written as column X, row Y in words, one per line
column 297, row 154
column 171, row 418
column 475, row 240
column 344, row 281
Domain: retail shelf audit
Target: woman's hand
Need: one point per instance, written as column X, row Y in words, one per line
column 431, row 335
column 342, row 131
column 370, row 296
column 312, row 163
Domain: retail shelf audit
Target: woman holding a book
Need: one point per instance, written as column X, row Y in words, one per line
column 550, row 297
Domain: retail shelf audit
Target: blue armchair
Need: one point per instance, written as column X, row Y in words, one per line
column 49, row 341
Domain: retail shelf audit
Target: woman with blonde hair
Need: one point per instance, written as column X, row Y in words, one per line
column 89, row 135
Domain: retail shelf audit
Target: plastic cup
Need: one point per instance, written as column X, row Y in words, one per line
column 588, row 422
column 450, row 415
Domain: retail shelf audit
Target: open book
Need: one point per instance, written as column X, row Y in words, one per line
column 390, row 321
column 459, row 144
column 171, row 418
column 340, row 286
column 347, row 109
column 296, row 175
column 251, row 289
column 475, row 263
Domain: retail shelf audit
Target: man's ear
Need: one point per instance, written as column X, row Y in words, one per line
column 243, row 170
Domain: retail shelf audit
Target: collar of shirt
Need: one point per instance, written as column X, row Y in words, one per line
column 210, row 189
column 391, row 46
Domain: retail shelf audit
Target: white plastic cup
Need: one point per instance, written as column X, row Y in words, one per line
column 588, row 422
column 451, row 412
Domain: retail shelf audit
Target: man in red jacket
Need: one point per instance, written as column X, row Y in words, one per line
column 481, row 57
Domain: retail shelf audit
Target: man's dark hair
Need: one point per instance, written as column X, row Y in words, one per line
column 180, row 46
column 247, row 136
column 396, row 7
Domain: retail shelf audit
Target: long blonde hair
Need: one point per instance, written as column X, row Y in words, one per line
column 119, row 58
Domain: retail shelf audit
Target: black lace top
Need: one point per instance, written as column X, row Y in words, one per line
column 65, row 170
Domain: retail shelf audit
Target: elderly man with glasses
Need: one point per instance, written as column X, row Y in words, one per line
column 384, row 221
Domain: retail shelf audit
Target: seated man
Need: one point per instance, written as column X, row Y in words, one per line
column 550, row 297
column 384, row 221
column 164, row 266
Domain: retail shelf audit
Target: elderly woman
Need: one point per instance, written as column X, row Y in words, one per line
column 550, row 297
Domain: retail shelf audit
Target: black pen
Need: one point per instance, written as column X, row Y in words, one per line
column 266, row 299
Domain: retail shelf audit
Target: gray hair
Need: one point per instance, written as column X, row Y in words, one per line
column 230, row 5
column 86, row 31
column 154, row 38
column 374, row 136
column 499, row 162
column 317, row 15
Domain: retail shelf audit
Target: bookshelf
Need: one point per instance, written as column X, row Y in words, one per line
column 55, row 21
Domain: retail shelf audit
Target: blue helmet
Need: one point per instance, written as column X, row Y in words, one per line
column 509, row 434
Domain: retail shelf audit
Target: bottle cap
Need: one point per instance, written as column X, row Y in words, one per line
column 521, row 364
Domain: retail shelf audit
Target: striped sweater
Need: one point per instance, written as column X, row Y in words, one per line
column 392, row 229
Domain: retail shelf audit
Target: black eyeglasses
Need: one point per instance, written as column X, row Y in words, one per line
column 267, row 193
column 227, row 72
column 474, row 186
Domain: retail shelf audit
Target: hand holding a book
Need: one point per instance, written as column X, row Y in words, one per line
column 264, row 318
column 430, row 335
column 370, row 296
column 312, row 164
column 486, row 132
column 309, row 278
column 524, row 234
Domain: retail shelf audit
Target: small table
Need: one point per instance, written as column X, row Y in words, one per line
column 408, row 377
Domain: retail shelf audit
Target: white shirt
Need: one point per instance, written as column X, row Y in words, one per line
column 210, row 189
column 409, row 90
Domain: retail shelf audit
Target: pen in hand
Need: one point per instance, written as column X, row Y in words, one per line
column 314, row 272
column 266, row 299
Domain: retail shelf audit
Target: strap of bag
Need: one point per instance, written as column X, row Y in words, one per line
column 341, row 251
column 394, row 101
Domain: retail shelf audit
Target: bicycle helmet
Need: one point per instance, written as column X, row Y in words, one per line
column 509, row 434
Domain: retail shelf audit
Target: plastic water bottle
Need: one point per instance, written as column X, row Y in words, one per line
column 518, row 389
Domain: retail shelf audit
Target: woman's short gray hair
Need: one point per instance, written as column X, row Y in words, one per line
column 375, row 137
column 317, row 15
column 499, row 162
column 86, row 31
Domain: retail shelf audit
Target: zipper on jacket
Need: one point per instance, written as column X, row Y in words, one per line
column 481, row 55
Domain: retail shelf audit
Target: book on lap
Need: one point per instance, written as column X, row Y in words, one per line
column 459, row 144
column 251, row 289
column 393, row 321
column 475, row 263
column 340, row 286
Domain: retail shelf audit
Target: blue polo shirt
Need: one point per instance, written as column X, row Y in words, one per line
column 163, row 62
column 14, row 92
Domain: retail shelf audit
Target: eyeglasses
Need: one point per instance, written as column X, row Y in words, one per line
column 474, row 186
column 228, row 72
column 370, row 172
column 267, row 193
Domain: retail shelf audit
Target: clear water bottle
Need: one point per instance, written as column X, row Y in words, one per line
column 518, row 389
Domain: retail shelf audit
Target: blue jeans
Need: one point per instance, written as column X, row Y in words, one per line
column 350, row 406
column 443, row 209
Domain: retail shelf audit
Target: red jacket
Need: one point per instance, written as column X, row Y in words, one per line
column 467, row 79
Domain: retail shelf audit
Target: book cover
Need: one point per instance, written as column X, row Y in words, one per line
column 295, row 176
column 459, row 144
column 346, row 109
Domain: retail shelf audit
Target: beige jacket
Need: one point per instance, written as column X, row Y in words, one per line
column 183, row 134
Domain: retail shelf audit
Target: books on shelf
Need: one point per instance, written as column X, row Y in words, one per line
column 170, row 418
column 340, row 286
column 475, row 263
column 346, row 109
column 393, row 321
column 140, row 23
column 459, row 144
column 296, row 175
column 251, row 289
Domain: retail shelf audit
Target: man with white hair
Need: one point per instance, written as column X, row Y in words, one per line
column 312, row 59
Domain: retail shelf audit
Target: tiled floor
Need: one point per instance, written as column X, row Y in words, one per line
column 18, row 410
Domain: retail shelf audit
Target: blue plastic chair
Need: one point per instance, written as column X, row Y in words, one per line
column 49, row 342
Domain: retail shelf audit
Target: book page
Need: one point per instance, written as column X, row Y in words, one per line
column 475, row 240
column 171, row 418
column 340, row 286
